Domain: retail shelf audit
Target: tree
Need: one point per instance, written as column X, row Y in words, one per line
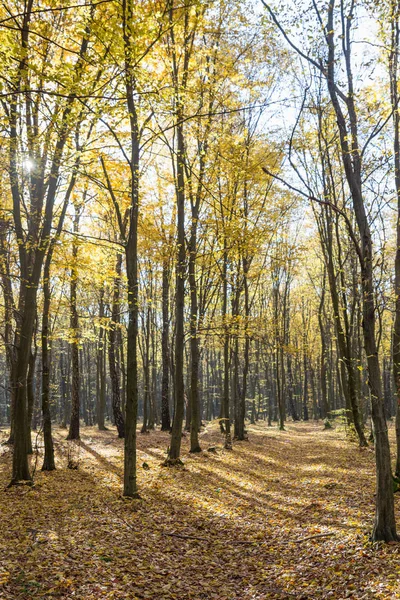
column 352, row 160
column 74, row 426
column 40, row 164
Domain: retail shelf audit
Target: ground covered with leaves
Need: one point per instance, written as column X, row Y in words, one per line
column 284, row 515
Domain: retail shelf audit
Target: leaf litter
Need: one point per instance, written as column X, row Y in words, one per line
column 283, row 515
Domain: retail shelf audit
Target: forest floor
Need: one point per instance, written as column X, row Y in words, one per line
column 229, row 525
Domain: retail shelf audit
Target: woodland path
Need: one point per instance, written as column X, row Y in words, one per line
column 237, row 521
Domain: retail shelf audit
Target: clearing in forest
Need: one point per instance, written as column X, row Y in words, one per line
column 284, row 515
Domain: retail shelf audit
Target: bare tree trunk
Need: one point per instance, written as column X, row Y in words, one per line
column 278, row 349
column 100, row 368
column 30, row 389
column 48, row 461
column 165, row 416
column 225, row 402
column 74, row 425
column 240, row 432
column 131, row 250
column 112, row 354
column 194, row 342
column 395, row 98
column 154, row 415
column 146, row 371
column 9, row 310
column 64, row 384
column 176, row 433
column 323, row 367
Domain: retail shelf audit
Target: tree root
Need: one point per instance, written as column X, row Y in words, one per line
column 135, row 496
column 14, row 482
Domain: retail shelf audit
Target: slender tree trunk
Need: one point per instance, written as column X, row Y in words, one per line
column 305, row 369
column 146, row 371
column 278, row 352
column 270, row 395
column 130, row 477
column 100, row 368
column 30, row 390
column 63, row 385
column 121, row 370
column 240, row 434
column 9, row 310
column 194, row 342
column 176, row 433
column 225, row 403
column 323, row 379
column 112, row 351
column 165, row 416
column 131, row 250
column 235, row 382
column 48, row 461
column 393, row 72
column 74, row 425
column 153, row 418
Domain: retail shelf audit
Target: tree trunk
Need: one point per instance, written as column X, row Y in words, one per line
column 176, row 434
column 225, row 403
column 74, row 433
column 100, row 368
column 240, row 433
column 394, row 94
column 165, row 416
column 20, row 471
column 112, row 354
column 48, row 461
column 30, row 391
column 146, row 370
column 194, row 342
column 131, row 250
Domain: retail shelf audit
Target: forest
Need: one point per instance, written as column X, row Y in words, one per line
column 199, row 299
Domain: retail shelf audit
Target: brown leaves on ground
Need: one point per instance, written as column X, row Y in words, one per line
column 228, row 525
